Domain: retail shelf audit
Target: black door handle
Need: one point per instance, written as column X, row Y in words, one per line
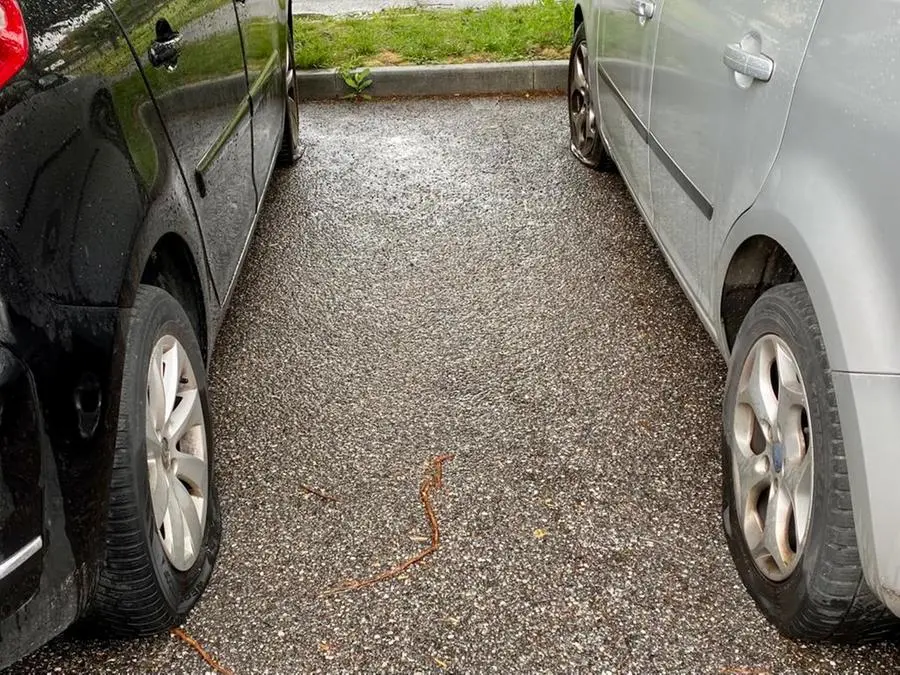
column 165, row 49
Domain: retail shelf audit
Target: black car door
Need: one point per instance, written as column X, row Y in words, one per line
column 192, row 56
column 264, row 28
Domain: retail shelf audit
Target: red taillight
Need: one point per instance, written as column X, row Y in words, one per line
column 13, row 40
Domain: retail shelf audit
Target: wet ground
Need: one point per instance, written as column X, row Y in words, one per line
column 442, row 277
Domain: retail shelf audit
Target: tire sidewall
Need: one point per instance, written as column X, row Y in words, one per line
column 775, row 313
column 152, row 319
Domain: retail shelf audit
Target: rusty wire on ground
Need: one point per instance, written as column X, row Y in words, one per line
column 435, row 481
column 205, row 655
column 324, row 496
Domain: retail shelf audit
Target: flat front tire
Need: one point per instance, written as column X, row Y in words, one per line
column 787, row 511
column 584, row 134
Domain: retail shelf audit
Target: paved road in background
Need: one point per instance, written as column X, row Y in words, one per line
column 441, row 276
column 366, row 6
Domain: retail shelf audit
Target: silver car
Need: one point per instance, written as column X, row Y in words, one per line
column 760, row 141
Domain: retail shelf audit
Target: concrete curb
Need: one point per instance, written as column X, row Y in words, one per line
column 448, row 80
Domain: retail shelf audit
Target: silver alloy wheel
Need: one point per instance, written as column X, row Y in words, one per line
column 176, row 452
column 772, row 464
column 581, row 113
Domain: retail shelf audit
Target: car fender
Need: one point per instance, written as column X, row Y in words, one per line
column 810, row 209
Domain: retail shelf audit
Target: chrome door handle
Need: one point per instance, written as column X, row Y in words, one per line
column 758, row 66
column 644, row 10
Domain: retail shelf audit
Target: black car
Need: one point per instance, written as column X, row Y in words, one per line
column 137, row 138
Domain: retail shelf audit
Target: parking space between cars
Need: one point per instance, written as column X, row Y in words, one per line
column 441, row 276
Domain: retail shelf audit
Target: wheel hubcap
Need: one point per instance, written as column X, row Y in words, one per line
column 177, row 465
column 581, row 114
column 772, row 462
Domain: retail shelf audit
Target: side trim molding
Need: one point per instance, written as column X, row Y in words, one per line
column 685, row 183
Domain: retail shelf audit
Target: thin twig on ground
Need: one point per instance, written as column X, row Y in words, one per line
column 324, row 496
column 433, row 482
column 205, row 655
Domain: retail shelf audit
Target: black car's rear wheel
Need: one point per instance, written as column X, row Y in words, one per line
column 787, row 511
column 584, row 134
column 163, row 530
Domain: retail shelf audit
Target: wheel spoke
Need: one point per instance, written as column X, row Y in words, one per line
column 589, row 123
column 579, row 119
column 189, row 511
column 798, row 485
column 175, row 526
column 753, row 477
column 159, row 489
column 156, row 398
column 187, row 413
column 171, row 377
column 775, row 531
column 193, row 471
column 154, row 449
column 753, row 532
column 579, row 79
column 791, row 404
column 757, row 390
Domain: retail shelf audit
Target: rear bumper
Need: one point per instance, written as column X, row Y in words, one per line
column 66, row 361
column 870, row 408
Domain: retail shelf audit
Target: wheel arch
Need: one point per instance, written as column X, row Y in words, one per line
column 836, row 252
column 171, row 266
column 758, row 264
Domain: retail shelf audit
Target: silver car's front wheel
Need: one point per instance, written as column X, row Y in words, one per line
column 585, row 141
column 786, row 499
column 176, row 452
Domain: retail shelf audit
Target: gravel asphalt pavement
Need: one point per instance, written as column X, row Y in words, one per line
column 441, row 276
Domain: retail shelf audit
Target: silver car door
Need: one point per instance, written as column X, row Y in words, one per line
column 722, row 84
column 626, row 36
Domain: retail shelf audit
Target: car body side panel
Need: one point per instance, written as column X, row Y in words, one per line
column 829, row 201
column 715, row 138
column 868, row 407
column 621, row 62
column 204, row 104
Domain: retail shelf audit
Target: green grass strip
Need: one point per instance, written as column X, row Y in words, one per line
column 419, row 36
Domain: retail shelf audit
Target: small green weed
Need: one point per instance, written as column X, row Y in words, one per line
column 357, row 81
